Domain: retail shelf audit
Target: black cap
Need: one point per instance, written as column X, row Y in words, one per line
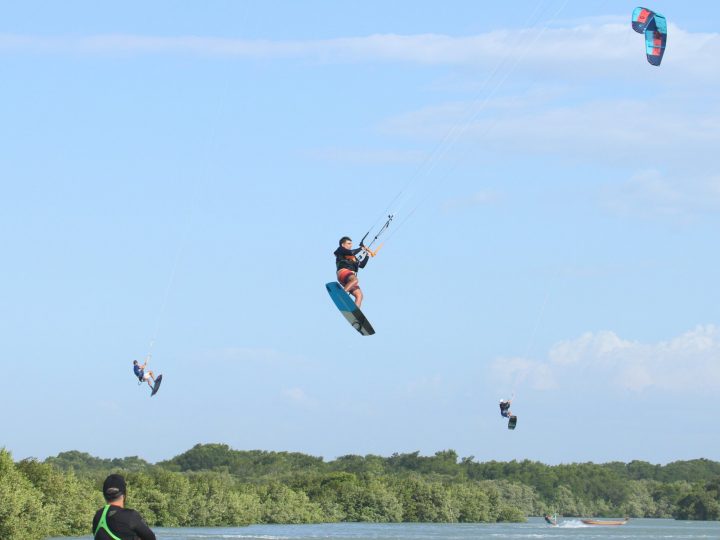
column 113, row 487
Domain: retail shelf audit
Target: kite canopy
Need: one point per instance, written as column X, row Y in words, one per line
column 654, row 26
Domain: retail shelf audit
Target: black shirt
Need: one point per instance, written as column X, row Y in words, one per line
column 345, row 258
column 124, row 523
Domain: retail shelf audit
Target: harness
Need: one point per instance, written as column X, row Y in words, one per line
column 347, row 262
column 102, row 524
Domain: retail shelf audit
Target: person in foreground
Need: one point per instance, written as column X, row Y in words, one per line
column 114, row 521
column 346, row 261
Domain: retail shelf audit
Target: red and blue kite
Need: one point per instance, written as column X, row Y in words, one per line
column 654, row 26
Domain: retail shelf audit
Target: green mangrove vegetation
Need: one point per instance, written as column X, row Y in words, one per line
column 212, row 485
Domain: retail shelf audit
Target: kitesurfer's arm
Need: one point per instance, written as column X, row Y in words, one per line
column 141, row 529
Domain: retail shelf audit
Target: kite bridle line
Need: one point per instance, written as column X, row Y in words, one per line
column 477, row 106
column 184, row 239
column 161, row 311
column 145, row 363
column 382, row 229
column 456, row 131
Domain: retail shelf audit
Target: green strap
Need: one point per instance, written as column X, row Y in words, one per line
column 102, row 524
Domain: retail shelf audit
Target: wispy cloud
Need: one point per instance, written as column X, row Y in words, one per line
column 295, row 394
column 621, row 129
column 589, row 45
column 662, row 114
column 668, row 132
column 298, row 397
column 687, row 362
column 525, row 371
column 652, row 193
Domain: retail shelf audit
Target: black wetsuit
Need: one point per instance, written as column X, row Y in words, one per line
column 124, row 523
column 345, row 258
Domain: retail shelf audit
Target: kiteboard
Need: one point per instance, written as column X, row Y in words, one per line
column 348, row 308
column 512, row 422
column 156, row 386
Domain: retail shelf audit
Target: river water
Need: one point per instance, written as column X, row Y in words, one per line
column 535, row 528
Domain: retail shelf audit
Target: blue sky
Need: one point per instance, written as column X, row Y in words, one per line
column 182, row 172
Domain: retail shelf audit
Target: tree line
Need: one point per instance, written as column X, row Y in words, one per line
column 213, row 485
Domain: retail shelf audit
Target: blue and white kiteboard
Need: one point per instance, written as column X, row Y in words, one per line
column 156, row 386
column 347, row 307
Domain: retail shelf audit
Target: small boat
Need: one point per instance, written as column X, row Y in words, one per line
column 605, row 521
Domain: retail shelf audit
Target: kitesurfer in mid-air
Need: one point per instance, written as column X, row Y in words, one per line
column 142, row 375
column 346, row 260
column 505, row 408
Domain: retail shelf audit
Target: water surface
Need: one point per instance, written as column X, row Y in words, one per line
column 535, row 528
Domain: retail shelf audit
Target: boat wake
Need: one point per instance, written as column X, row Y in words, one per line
column 572, row 524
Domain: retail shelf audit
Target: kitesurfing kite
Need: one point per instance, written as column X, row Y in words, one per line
column 654, row 26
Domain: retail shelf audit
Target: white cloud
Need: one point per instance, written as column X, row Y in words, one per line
column 689, row 362
column 522, row 371
column 299, row 398
column 652, row 193
column 658, row 115
column 295, row 394
column 612, row 131
column 667, row 140
column 589, row 47
column 587, row 348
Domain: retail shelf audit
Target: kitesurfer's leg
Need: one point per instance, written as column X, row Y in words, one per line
column 357, row 293
column 350, row 283
column 348, row 279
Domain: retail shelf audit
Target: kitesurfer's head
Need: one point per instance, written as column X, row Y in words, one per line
column 113, row 487
column 135, row 362
column 344, row 240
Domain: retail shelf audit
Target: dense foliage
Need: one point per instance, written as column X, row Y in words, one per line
column 212, row 485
